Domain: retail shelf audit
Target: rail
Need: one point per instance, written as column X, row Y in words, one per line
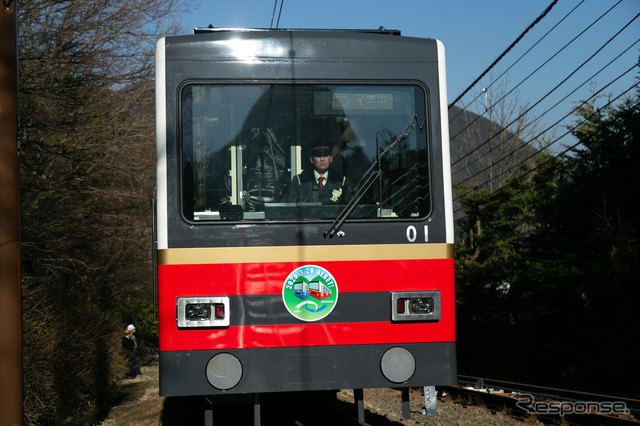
column 548, row 404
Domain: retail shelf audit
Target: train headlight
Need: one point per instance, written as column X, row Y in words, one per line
column 415, row 305
column 421, row 305
column 202, row 312
column 197, row 312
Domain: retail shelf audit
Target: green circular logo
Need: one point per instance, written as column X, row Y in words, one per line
column 310, row 293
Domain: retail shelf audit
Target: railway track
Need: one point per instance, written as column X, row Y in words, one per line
column 548, row 405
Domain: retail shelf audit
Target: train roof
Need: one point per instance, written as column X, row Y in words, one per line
column 380, row 30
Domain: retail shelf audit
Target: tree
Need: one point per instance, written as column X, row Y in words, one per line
column 591, row 227
column 498, row 134
column 493, row 180
column 489, row 251
column 87, row 159
column 547, row 270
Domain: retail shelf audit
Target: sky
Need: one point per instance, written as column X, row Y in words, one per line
column 475, row 33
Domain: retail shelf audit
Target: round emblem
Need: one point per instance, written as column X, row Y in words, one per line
column 310, row 293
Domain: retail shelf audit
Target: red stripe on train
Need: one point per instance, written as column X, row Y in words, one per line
column 268, row 278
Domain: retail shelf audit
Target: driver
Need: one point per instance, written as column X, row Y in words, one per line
column 319, row 182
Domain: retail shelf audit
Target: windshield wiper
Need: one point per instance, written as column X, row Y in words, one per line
column 373, row 175
column 363, row 186
column 346, row 211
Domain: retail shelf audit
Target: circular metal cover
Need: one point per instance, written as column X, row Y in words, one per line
column 398, row 365
column 224, row 371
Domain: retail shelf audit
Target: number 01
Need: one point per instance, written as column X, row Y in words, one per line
column 412, row 233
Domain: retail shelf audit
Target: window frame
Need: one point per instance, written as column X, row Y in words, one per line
column 428, row 134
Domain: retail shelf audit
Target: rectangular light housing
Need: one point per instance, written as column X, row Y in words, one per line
column 415, row 305
column 202, row 312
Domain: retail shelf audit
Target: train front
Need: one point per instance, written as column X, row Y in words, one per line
column 271, row 280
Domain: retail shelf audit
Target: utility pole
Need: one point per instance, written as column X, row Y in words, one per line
column 10, row 286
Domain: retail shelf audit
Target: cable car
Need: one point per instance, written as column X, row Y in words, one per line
column 269, row 280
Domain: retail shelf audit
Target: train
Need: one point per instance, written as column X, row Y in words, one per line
column 352, row 285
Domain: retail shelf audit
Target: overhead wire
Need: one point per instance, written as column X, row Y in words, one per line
column 536, row 153
column 521, row 57
column 558, row 155
column 555, row 175
column 499, row 58
column 273, row 14
column 530, row 75
column 279, row 13
column 522, row 114
column 563, row 81
column 568, row 132
column 534, row 138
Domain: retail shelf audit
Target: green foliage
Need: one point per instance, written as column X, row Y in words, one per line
column 547, row 272
column 487, row 259
column 593, row 224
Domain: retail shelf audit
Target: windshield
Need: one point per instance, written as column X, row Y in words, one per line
column 294, row 152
